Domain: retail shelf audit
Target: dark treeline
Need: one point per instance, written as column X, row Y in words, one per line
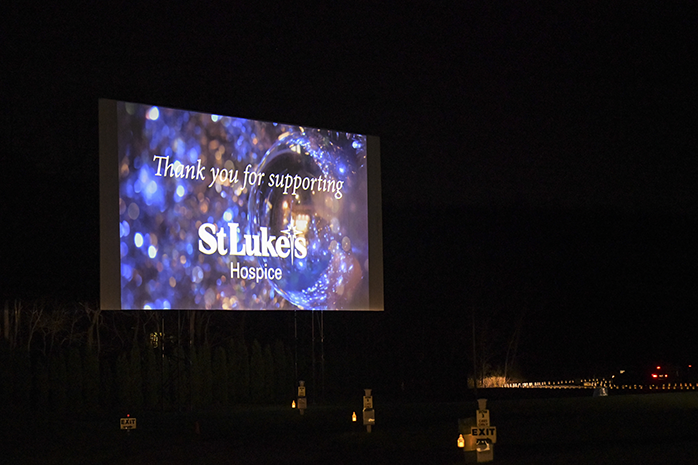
column 77, row 358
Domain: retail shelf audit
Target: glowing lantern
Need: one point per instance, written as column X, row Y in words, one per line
column 353, row 416
column 293, row 404
column 461, row 442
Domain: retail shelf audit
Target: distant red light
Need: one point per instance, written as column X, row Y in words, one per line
column 654, row 375
column 659, row 368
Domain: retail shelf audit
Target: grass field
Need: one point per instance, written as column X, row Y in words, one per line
column 643, row 429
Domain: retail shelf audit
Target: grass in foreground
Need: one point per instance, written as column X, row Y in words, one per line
column 648, row 429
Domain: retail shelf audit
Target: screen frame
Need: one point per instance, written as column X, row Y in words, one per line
column 110, row 260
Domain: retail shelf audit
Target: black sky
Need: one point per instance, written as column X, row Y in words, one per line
column 536, row 161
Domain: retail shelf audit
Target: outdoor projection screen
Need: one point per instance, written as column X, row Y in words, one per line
column 201, row 211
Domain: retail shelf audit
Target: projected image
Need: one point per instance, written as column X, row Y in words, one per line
column 217, row 212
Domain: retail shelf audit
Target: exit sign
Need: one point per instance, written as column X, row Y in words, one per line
column 485, row 433
column 128, row 423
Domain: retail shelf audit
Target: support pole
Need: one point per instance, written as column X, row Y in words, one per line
column 474, row 356
column 161, row 339
column 312, row 330
column 322, row 355
column 295, row 339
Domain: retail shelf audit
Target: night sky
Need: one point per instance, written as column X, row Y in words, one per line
column 538, row 164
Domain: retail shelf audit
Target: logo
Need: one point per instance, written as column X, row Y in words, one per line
column 214, row 240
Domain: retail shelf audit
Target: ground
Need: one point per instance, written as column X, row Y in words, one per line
column 648, row 429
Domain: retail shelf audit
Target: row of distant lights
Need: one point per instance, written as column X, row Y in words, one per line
column 600, row 383
column 595, row 382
